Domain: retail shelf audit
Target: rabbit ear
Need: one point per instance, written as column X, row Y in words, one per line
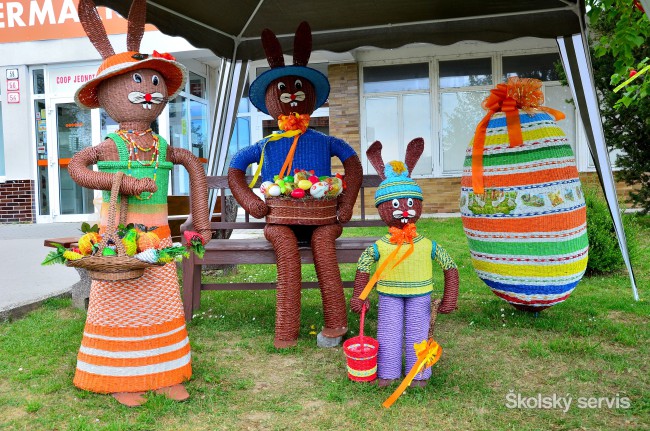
column 272, row 49
column 302, row 45
column 137, row 18
column 94, row 28
column 374, row 156
column 413, row 152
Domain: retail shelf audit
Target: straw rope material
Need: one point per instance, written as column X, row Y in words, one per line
column 301, row 212
column 120, row 266
column 527, row 231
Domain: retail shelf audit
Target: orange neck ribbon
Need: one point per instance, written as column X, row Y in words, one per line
column 517, row 93
column 397, row 236
column 428, row 353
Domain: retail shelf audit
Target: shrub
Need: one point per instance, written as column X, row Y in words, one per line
column 605, row 255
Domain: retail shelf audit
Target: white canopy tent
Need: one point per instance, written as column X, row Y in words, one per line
column 232, row 31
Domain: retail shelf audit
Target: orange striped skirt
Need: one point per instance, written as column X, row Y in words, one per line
column 135, row 337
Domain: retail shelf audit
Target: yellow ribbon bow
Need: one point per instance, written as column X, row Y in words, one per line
column 292, row 126
column 428, row 353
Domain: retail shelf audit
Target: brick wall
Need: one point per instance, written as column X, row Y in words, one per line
column 344, row 106
column 17, row 201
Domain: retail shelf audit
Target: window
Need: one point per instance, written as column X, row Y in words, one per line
column 397, row 102
column 188, row 127
column 463, row 86
column 241, row 134
column 2, row 146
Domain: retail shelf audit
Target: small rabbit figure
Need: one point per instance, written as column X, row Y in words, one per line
column 290, row 94
column 404, row 269
column 135, row 338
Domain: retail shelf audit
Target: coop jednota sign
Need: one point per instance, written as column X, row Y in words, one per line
column 28, row 20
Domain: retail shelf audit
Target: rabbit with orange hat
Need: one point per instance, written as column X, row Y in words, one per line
column 290, row 94
column 135, row 338
column 404, row 270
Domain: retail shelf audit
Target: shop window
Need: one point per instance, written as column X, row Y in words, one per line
column 397, row 103
column 463, row 86
column 42, row 177
column 403, row 77
column 38, row 81
column 538, row 66
column 188, row 128
column 241, row 134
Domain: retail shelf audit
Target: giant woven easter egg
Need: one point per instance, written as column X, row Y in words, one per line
column 527, row 230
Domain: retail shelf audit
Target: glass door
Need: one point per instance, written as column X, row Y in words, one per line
column 69, row 130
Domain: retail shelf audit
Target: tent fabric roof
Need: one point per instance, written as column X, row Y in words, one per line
column 343, row 25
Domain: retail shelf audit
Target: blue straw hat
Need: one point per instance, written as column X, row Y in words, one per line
column 397, row 184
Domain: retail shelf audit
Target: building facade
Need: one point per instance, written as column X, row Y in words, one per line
column 393, row 96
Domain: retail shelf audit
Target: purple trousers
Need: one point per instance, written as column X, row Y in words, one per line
column 401, row 323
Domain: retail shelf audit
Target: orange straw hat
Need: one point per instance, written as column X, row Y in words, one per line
column 173, row 72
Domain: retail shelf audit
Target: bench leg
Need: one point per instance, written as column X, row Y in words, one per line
column 81, row 290
column 189, row 275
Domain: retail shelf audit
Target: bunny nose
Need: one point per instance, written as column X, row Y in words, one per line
column 293, row 97
column 405, row 213
column 147, row 97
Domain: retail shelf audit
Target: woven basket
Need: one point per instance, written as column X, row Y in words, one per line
column 118, row 267
column 289, row 211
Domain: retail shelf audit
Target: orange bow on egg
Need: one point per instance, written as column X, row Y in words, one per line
column 397, row 236
column 517, row 93
column 164, row 55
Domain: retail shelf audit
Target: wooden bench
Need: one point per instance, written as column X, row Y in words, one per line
column 260, row 251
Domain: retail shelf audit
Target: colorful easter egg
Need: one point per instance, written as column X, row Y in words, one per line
column 274, row 190
column 264, row 187
column 304, row 184
column 314, row 179
column 298, row 193
column 319, row 189
column 527, row 232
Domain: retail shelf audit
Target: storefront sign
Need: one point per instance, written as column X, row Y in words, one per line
column 26, row 20
column 65, row 81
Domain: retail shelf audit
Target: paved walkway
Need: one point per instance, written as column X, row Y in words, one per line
column 24, row 283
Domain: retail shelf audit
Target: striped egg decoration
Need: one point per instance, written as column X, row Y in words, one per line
column 527, row 232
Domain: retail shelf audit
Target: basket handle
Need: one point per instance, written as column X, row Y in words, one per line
column 111, row 227
column 362, row 320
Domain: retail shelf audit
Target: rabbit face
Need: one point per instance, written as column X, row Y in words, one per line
column 290, row 94
column 139, row 95
column 400, row 212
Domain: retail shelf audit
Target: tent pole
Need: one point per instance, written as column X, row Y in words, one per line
column 577, row 65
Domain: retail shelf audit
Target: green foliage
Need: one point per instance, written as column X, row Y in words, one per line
column 604, row 253
column 626, row 115
column 621, row 34
column 55, row 256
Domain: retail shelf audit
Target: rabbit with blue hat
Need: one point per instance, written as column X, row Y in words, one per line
column 290, row 94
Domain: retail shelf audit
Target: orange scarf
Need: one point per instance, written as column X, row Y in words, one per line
column 517, row 93
column 397, row 236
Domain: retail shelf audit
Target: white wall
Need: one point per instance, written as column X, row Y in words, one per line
column 19, row 154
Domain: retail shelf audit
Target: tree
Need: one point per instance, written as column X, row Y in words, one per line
column 621, row 31
column 619, row 39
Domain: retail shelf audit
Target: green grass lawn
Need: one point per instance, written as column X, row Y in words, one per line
column 594, row 345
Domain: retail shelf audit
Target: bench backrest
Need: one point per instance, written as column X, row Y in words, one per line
column 220, row 183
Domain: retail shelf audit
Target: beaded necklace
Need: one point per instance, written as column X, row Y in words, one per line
column 133, row 153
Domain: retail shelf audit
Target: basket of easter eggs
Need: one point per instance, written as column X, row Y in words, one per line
column 121, row 252
column 302, row 198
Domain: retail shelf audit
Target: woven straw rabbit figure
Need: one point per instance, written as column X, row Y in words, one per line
column 290, row 94
column 404, row 269
column 135, row 338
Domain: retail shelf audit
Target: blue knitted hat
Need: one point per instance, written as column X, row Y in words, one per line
column 397, row 184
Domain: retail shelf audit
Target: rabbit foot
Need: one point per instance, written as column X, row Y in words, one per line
column 130, row 399
column 175, row 392
column 284, row 344
column 419, row 383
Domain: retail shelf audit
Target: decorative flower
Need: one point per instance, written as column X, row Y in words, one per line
column 163, row 55
column 195, row 241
